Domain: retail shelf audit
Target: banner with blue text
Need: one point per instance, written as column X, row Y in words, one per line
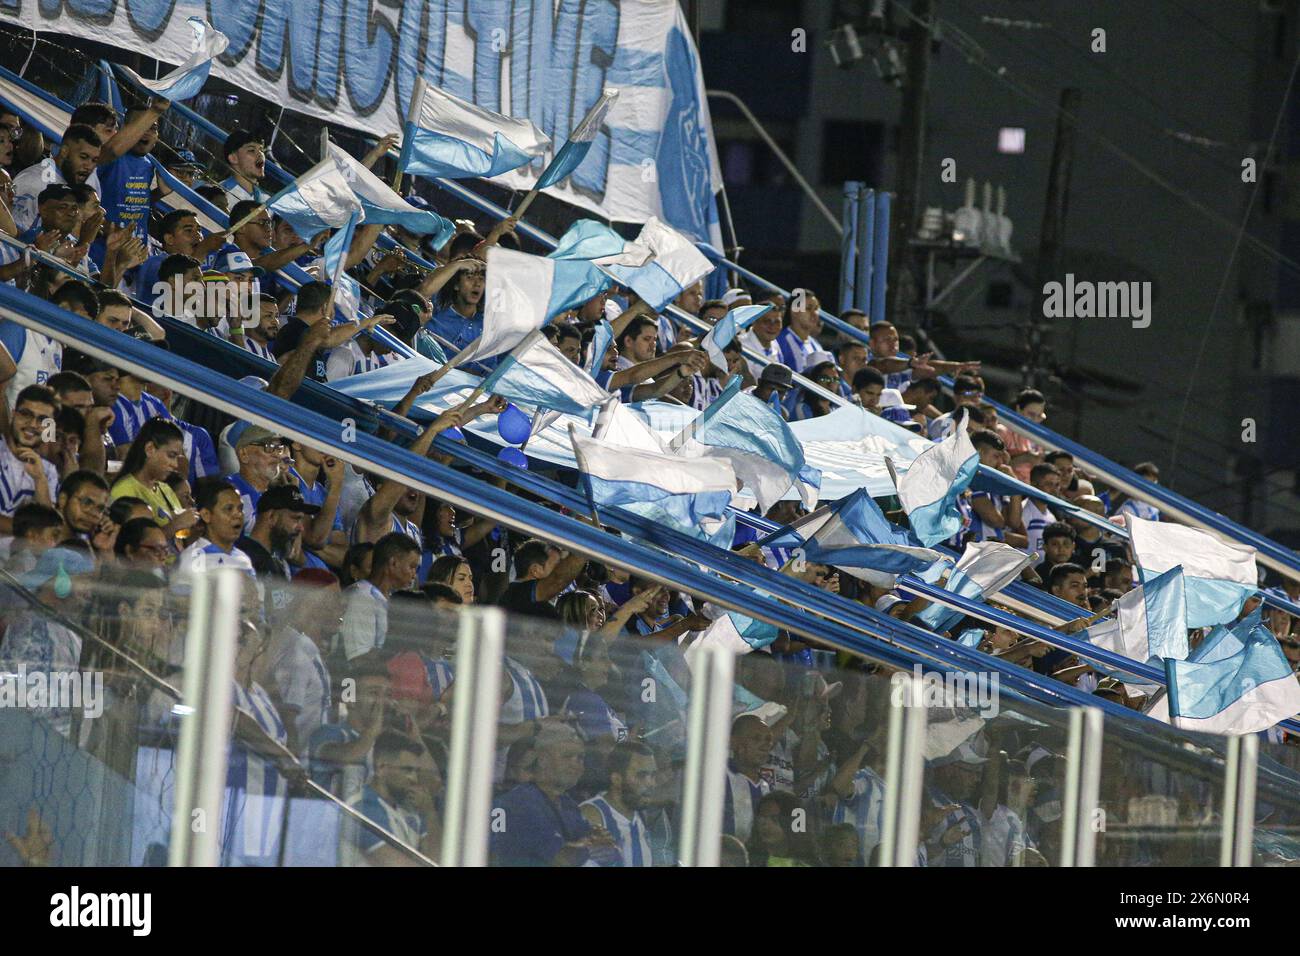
column 355, row 62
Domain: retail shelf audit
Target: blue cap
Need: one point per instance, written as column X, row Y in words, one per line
column 895, row 414
column 185, row 157
column 236, row 261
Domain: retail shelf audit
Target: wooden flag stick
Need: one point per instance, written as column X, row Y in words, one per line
column 252, row 214
column 523, row 206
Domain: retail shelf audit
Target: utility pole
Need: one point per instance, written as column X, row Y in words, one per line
column 903, row 284
column 1050, row 242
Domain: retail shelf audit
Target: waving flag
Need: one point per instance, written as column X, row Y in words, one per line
column 930, row 487
column 984, row 569
column 727, row 328
column 598, row 347
column 1150, row 622
column 319, row 199
column 1242, row 692
column 685, row 491
column 735, row 632
column 756, row 440
column 524, row 292
column 619, row 425
column 186, row 80
column 384, row 207
column 1218, row 576
column 347, row 292
column 573, row 152
column 677, row 265
column 458, row 140
column 854, row 534
column 537, row 373
column 597, row 243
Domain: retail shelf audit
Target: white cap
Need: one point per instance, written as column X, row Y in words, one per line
column 893, row 398
column 814, row 359
column 732, row 297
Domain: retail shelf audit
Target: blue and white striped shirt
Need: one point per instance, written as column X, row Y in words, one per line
column 129, row 416
column 16, row 486
column 630, row 835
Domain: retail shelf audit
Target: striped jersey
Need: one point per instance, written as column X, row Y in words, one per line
column 977, row 530
column 260, row 350
column 129, row 416
column 16, row 486
column 771, row 352
column 1036, row 517
column 1140, row 509
column 255, row 790
column 365, row 619
column 37, row 356
column 794, row 350
column 630, row 834
column 865, row 811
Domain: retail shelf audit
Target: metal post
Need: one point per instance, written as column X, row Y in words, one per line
column 911, row 152
column 848, row 245
column 1082, row 780
column 1237, row 841
column 480, row 646
column 203, row 752
column 904, row 775
column 866, row 245
column 880, row 265
column 707, row 744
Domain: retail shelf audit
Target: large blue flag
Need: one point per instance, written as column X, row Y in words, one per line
column 458, row 140
column 1150, row 623
column 984, row 569
column 319, row 199
column 677, row 265
column 597, row 243
column 383, row 207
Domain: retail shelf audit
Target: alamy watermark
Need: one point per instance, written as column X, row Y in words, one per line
column 977, row 690
column 1084, row 299
column 214, row 299
column 53, row 690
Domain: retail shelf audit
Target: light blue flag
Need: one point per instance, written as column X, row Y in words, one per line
column 1149, row 625
column 319, row 199
column 575, row 150
column 455, row 139
column 938, row 617
column 186, row 81
column 677, row 265
column 936, row 478
column 1244, row 692
column 384, row 207
column 971, row 637
column 759, row 444
column 1219, row 575
column 727, row 328
column 598, row 347
column 853, row 533
column 683, row 493
column 536, row 373
column 597, row 243
column 347, row 291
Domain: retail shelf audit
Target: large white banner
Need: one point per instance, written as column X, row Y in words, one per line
column 354, row 62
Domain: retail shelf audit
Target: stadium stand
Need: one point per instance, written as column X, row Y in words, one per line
column 181, row 400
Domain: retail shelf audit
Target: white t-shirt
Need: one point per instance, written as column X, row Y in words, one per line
column 1036, row 518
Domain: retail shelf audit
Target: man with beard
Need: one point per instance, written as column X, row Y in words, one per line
column 259, row 336
column 631, row 768
column 390, row 800
column 74, row 163
column 180, row 235
column 262, row 456
column 275, row 544
column 24, row 474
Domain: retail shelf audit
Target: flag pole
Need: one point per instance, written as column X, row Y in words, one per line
column 412, row 115
column 607, row 96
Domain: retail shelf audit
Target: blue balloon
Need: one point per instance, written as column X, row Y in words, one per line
column 513, row 456
column 513, row 425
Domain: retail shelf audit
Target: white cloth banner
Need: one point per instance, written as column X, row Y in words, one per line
column 356, row 65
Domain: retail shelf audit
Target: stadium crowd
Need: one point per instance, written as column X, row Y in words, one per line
column 114, row 490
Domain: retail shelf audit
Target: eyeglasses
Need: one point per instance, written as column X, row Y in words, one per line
column 264, row 223
column 273, row 447
column 15, row 131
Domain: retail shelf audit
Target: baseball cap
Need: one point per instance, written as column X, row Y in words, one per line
column 893, row 398
column 733, row 296
column 286, row 498
column 820, row 358
column 776, row 374
column 255, row 435
column 185, row 157
column 887, row 601
column 406, row 318
column 235, row 262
